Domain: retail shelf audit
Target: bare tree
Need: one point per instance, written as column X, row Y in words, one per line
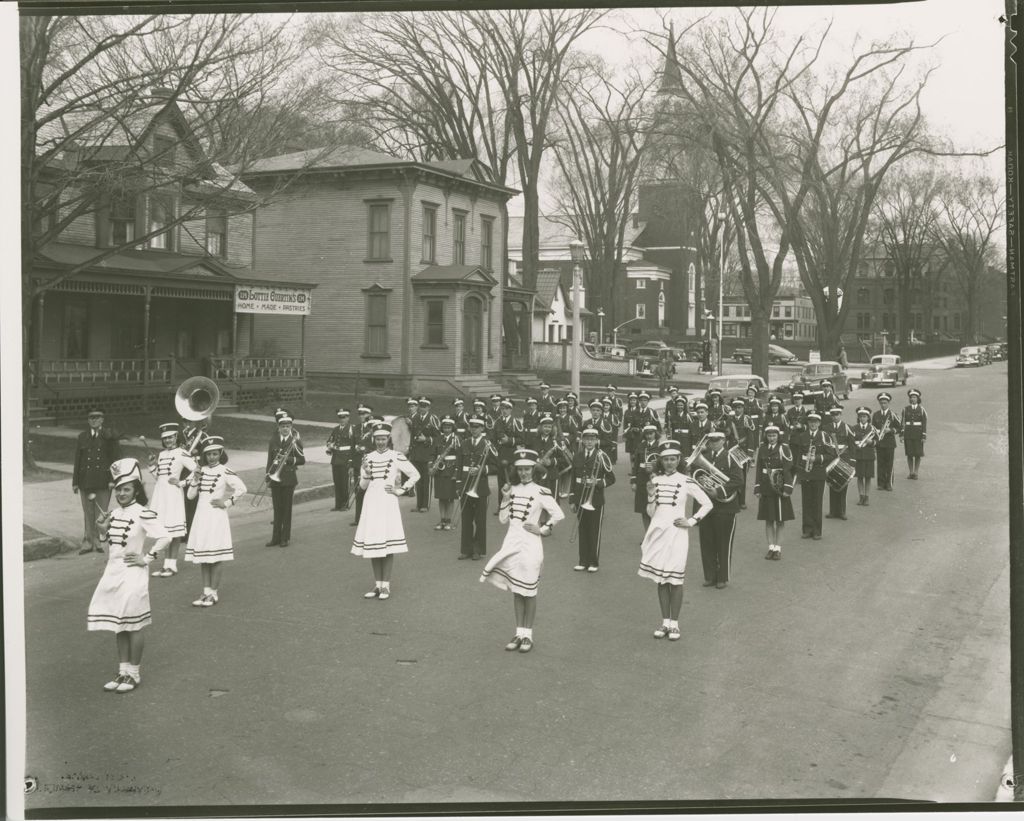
column 973, row 214
column 599, row 149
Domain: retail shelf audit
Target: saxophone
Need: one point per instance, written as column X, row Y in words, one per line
column 436, row 464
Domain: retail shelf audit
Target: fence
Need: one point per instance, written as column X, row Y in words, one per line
column 557, row 356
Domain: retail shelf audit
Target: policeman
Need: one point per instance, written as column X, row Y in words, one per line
column 888, row 424
column 96, row 450
column 341, row 447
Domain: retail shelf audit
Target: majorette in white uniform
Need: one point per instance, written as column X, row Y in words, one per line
column 121, row 600
column 209, row 539
column 169, row 499
column 517, row 565
column 380, row 532
column 665, row 547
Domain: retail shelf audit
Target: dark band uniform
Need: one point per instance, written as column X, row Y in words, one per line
column 812, row 481
column 475, row 452
column 719, row 526
column 550, row 450
column 914, row 422
column 594, row 464
column 885, row 450
column 842, row 435
column 773, row 483
column 643, row 470
column 282, row 492
column 507, row 435
column 423, row 427
column 446, row 455
column 95, row 452
column 345, row 456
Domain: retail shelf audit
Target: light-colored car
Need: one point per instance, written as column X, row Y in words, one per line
column 616, row 351
column 885, row 369
column 777, row 355
column 810, row 377
column 733, row 386
column 970, row 356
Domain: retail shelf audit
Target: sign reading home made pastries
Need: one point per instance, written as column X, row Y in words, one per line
column 253, row 299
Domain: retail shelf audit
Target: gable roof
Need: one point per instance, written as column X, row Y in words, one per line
column 472, row 274
column 547, row 284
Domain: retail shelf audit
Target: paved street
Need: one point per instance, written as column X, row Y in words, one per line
column 873, row 663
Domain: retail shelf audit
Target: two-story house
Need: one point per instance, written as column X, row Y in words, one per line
column 409, row 261
column 151, row 280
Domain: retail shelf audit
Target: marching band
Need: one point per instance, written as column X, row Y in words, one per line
column 687, row 474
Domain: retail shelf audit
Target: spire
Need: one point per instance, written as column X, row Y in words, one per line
column 671, row 74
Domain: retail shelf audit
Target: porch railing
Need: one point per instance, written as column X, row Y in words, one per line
column 257, row 368
column 71, row 372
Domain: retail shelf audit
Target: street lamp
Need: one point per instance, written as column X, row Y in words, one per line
column 615, row 330
column 710, row 318
column 600, row 325
column 721, row 290
column 576, row 252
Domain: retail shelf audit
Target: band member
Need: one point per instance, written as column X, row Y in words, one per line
column 796, row 417
column 773, row 486
column 97, row 449
column 423, row 428
column 670, row 412
column 508, row 435
column 530, row 420
column 732, row 423
column 605, row 430
column 752, row 405
column 617, row 408
column 567, row 425
column 477, row 453
column 613, row 418
column 209, row 539
column 168, row 495
column 742, row 431
column 827, row 400
column 681, row 426
column 284, row 455
column 811, row 453
column 444, row 469
column 914, row 424
column 865, row 437
column 554, row 458
column 460, row 417
column 701, row 425
column 362, row 432
column 840, row 438
column 574, row 408
column 666, row 544
column 888, row 425
column 493, row 413
column 716, row 407
column 531, row 513
column 120, row 602
column 718, row 526
column 380, row 535
column 645, row 466
column 342, row 446
column 591, row 474
column 546, row 403
column 647, row 415
column 774, row 415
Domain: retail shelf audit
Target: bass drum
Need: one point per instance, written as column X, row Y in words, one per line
column 838, row 474
column 401, row 435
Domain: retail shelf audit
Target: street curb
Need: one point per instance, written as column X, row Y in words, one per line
column 1005, row 790
column 311, row 494
column 45, row 547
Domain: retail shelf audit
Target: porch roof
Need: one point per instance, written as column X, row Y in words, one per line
column 467, row 274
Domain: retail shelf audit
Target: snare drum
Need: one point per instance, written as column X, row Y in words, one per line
column 839, row 473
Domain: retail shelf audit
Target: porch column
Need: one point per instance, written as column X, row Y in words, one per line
column 145, row 336
column 303, row 349
column 39, row 339
column 234, row 340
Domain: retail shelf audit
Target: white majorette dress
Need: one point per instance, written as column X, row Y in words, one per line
column 169, row 500
column 209, row 539
column 665, row 547
column 380, row 532
column 121, row 600
column 516, row 566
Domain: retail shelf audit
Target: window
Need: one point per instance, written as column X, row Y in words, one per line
column 641, row 311
column 380, row 231
column 728, row 329
column 787, row 330
column 888, row 296
column 75, row 330
column 863, row 322
column 377, row 324
column 641, row 284
column 863, row 296
column 788, row 312
column 429, row 233
column 775, row 311
column 459, row 239
column 956, row 321
column 487, row 243
column 163, row 151
column 122, row 222
column 217, row 233
column 435, row 323
column 161, row 212
column 126, row 334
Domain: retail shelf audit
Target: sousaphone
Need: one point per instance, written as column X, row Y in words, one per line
column 196, row 398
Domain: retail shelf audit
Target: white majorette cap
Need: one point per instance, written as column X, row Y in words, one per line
column 447, row 421
column 673, row 389
column 681, row 398
column 214, row 443
column 343, row 412
column 883, row 395
column 863, row 409
column 813, row 415
column 167, row 428
column 835, row 411
column 670, row 447
column 562, row 401
column 572, row 395
column 476, row 420
column 525, row 457
column 125, row 470
column 643, row 395
column 914, row 392
column 495, row 397
column 610, row 388
column 632, row 395
column 739, row 400
column 479, row 402
column 285, row 418
column 590, row 432
column 381, row 429
column 716, row 434
column 364, row 409
column 771, row 429
column 650, row 427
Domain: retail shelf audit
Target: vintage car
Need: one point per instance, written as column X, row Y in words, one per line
column 995, row 352
column 777, row 355
column 733, row 386
column 970, row 356
column 810, row 376
column 885, row 369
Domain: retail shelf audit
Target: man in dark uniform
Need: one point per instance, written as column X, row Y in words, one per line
column 284, row 455
column 591, row 474
column 362, row 433
column 96, row 450
column 507, row 435
column 531, row 418
column 701, row 425
column 461, row 420
column 885, row 447
column 827, row 400
column 341, row 445
column 842, row 436
column 546, row 403
column 718, row 527
column 796, row 416
column 423, row 429
column 605, row 430
column 475, row 455
column 810, row 465
column 647, row 415
column 493, row 413
column 552, row 454
column 645, row 465
column 681, row 429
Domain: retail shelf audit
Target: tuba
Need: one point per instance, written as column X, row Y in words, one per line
column 196, row 398
column 711, row 479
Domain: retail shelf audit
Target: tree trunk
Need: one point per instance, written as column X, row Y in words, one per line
column 760, row 328
column 531, row 236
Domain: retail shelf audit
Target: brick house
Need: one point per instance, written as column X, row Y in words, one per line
column 408, row 258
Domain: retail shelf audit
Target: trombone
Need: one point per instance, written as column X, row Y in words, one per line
column 274, row 474
column 590, row 485
column 471, row 491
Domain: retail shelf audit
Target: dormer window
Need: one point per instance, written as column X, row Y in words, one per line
column 122, row 221
column 216, row 233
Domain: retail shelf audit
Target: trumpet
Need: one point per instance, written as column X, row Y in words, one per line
column 809, row 457
column 866, row 440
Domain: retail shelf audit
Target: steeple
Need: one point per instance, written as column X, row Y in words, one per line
column 671, row 74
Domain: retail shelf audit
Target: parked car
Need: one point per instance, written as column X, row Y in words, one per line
column 656, row 352
column 810, row 376
column 653, row 343
column 995, row 351
column 968, row 357
column 733, row 386
column 885, row 369
column 777, row 355
column 614, row 351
